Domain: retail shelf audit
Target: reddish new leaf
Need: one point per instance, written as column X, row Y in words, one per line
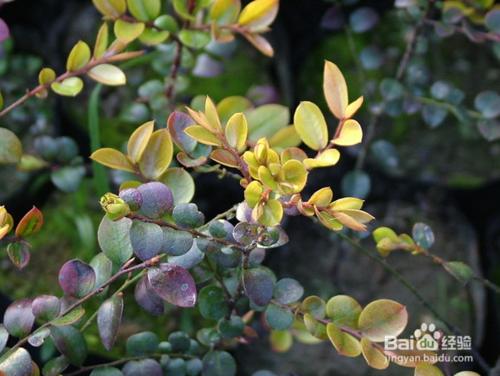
column 30, row 224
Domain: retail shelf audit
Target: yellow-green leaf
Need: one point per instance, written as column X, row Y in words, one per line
column 70, row 87
column 344, row 343
column 110, row 8
column 329, row 221
column 347, row 203
column 224, row 157
column 322, row 197
column 152, row 37
column 202, row 135
column 353, row 107
column 311, row 126
column 144, row 10
column 384, row 232
column 11, row 149
column 101, row 41
column 374, row 357
column 293, row 177
column 272, row 213
column 46, row 76
column 259, row 14
column 212, row 115
column 467, row 373
column 382, row 318
column 349, row 221
column 237, row 131
column 127, row 32
column 425, row 369
column 350, row 134
column 335, row 90
column 139, row 140
column 253, row 193
column 316, row 328
column 157, row 156
column 343, row 310
column 281, row 340
column 78, row 57
column 285, row 138
column 266, row 177
column 225, row 12
column 108, row 74
column 231, row 105
column 328, row 158
column 112, row 158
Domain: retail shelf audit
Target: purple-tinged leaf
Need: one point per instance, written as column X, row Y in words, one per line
column 19, row 254
column 177, row 122
column 38, row 337
column 189, row 162
column 46, row 307
column 246, row 233
column 70, row 342
column 4, row 31
column 174, row 284
column 18, row 318
column 76, row 278
column 17, row 364
column 148, row 367
column 4, row 337
column 206, row 66
column 109, row 317
column 259, row 285
column 147, row 298
column 103, row 268
column 146, row 239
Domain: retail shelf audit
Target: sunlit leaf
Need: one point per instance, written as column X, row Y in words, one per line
column 350, row 134
column 139, row 140
column 259, row 14
column 157, row 156
column 335, row 90
column 144, row 10
column 373, row 355
column 127, row 32
column 110, row 8
column 202, row 135
column 70, row 87
column 112, row 158
column 108, row 74
column 382, row 318
column 236, row 131
column 344, row 343
column 311, row 126
column 78, row 57
column 31, row 223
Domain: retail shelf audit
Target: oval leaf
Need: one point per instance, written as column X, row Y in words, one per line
column 382, row 318
column 174, row 284
column 76, row 278
column 108, row 74
column 109, row 317
column 311, row 126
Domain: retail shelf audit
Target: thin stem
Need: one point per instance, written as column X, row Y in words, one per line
column 402, row 66
column 151, row 262
column 110, row 57
column 407, row 284
column 170, row 90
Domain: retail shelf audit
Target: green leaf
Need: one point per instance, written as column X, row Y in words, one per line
column 272, row 213
column 144, row 10
column 212, row 302
column 267, row 120
column 127, row 32
column 460, row 270
column 46, row 75
column 278, row 318
column 311, row 126
column 68, row 178
column 109, row 318
column 70, row 342
column 281, row 340
column 157, row 156
column 152, row 37
column 424, row 369
column 143, row 343
column 218, row 363
column 382, row 318
column 112, row 158
column 315, row 306
column 78, row 57
column 108, row 74
column 11, row 149
column 70, row 87
column 194, row 38
column 181, row 184
column 70, row 318
column 167, row 22
column 114, row 239
column 225, row 12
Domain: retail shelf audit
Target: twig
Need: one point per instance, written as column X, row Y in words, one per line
column 107, row 58
column 121, row 272
column 401, row 279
